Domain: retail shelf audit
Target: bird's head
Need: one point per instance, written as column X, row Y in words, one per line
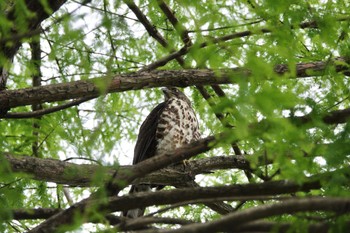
column 173, row 92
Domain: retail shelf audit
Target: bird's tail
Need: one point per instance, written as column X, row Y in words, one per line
column 135, row 213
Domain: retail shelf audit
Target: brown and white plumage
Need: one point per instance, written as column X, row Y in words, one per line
column 170, row 125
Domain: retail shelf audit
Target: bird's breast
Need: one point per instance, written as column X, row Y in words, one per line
column 177, row 126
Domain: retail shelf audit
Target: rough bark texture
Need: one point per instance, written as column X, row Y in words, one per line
column 234, row 220
column 231, row 192
column 136, row 81
column 237, row 192
column 40, row 213
column 60, row 172
column 121, row 180
column 52, row 170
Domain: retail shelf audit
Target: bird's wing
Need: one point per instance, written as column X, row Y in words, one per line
column 146, row 144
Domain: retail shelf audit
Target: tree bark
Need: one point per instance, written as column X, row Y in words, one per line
column 81, row 175
column 158, row 78
column 237, row 219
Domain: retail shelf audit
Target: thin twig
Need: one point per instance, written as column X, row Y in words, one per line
column 38, row 113
column 181, row 30
column 164, row 60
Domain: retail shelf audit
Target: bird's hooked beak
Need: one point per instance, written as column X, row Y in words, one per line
column 167, row 93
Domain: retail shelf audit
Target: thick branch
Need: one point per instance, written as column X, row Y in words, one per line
column 88, row 88
column 197, row 195
column 136, row 81
column 60, row 172
column 122, row 179
column 40, row 213
column 130, row 224
column 53, row 170
column 231, row 192
column 124, row 223
column 134, row 224
column 285, row 227
column 116, row 203
column 280, row 227
column 237, row 219
column 158, row 162
column 334, row 117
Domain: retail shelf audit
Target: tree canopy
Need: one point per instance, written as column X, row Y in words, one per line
column 269, row 81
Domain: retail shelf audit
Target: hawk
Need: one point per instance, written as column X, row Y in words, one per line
column 170, row 125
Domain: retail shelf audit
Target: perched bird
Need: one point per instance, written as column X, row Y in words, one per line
column 170, row 125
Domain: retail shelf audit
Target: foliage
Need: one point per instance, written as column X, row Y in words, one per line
column 93, row 39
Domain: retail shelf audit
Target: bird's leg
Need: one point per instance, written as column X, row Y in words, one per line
column 183, row 165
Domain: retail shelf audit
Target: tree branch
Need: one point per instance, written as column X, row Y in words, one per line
column 152, row 31
column 51, row 170
column 42, row 112
column 137, row 200
column 334, row 117
column 60, row 172
column 123, row 223
column 180, row 29
column 121, row 180
column 190, row 195
column 283, row 227
column 136, row 81
column 40, row 213
column 234, row 220
column 183, row 51
column 134, row 224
